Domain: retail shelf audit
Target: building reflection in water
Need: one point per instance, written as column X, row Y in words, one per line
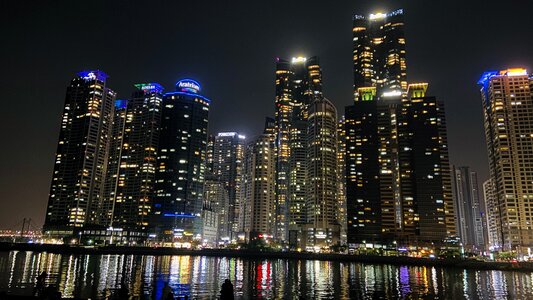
column 101, row 276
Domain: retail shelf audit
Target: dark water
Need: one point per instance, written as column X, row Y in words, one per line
column 100, row 276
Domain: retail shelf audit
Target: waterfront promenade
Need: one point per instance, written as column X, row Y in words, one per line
column 256, row 254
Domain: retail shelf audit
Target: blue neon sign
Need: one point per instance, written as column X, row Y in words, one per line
column 188, row 86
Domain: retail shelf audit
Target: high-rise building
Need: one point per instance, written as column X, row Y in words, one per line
column 228, row 160
column 469, row 209
column 131, row 177
column 341, row 179
column 321, row 204
column 81, row 158
column 257, row 211
column 298, row 82
column 216, row 199
column 430, row 166
column 492, row 216
column 216, row 202
column 180, row 172
column 508, row 119
column 113, row 163
column 363, row 196
column 398, row 185
column 379, row 53
column 379, row 200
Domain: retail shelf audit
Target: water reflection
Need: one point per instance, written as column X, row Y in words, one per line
column 100, row 276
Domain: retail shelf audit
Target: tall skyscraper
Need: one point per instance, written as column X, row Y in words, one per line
column 379, row 198
column 216, row 202
column 113, row 162
column 81, row 158
column 469, row 209
column 297, row 83
column 181, row 159
column 259, row 196
column 398, row 186
column 341, row 179
column 398, row 182
column 131, row 184
column 321, row 202
column 430, row 166
column 508, row 119
column 379, row 53
column 228, row 160
column 363, row 197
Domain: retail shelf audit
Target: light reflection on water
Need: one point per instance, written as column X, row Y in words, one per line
column 100, row 276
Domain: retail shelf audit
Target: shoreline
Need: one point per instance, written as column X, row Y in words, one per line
column 255, row 254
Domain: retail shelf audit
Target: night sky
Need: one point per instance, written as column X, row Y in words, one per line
column 230, row 47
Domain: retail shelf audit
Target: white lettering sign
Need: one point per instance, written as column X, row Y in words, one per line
column 189, row 85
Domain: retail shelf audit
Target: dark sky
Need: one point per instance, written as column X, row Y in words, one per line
column 229, row 46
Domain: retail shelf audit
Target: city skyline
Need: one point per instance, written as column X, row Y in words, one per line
column 250, row 125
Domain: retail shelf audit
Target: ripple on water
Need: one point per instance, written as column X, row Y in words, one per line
column 99, row 276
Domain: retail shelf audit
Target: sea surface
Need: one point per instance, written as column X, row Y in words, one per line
column 200, row 277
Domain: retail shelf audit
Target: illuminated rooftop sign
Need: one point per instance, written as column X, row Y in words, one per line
column 391, row 94
column 188, row 86
column 93, row 75
column 151, row 87
column 89, row 76
column 227, row 134
column 232, row 134
column 396, row 12
column 377, row 16
column 298, row 59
